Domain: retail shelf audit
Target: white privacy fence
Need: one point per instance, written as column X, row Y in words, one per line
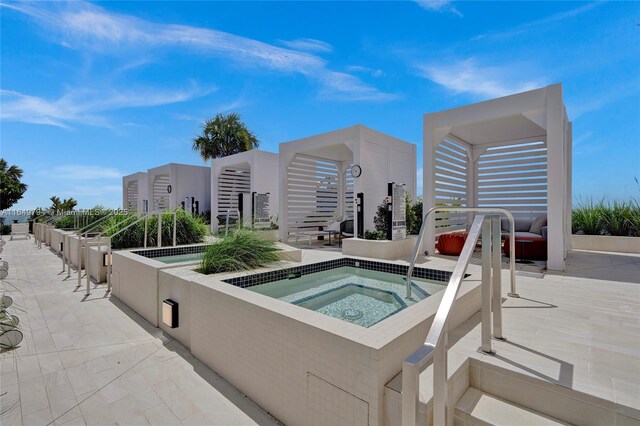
column 160, row 192
column 451, row 182
column 132, row 196
column 514, row 177
column 314, row 192
column 231, row 182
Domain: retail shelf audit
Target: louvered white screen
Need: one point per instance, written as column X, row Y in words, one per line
column 132, row 196
column 514, row 177
column 231, row 182
column 312, row 189
column 348, row 194
column 160, row 193
column 451, row 174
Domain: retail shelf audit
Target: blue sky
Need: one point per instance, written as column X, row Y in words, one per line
column 94, row 91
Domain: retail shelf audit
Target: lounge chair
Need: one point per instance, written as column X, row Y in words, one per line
column 346, row 230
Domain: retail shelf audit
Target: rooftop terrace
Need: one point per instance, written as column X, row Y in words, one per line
column 92, row 360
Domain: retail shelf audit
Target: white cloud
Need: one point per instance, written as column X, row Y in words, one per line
column 484, row 82
column 84, row 26
column 439, row 6
column 583, row 137
column 366, row 70
column 522, row 28
column 82, row 105
column 340, row 85
column 82, row 172
column 308, row 45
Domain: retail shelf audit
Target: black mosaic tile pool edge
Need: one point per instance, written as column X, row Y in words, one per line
column 281, row 274
column 169, row 251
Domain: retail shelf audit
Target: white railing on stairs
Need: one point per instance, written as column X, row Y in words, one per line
column 435, row 345
column 493, row 210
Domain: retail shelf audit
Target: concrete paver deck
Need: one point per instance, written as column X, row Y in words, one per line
column 92, row 360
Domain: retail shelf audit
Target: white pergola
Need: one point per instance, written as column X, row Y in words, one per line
column 134, row 192
column 512, row 152
column 316, row 186
column 245, row 172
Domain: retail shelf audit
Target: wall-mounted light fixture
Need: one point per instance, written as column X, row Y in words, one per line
column 170, row 313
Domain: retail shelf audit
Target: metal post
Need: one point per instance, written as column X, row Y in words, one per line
column 63, row 265
column 486, row 286
column 512, row 257
column 67, row 249
column 410, row 393
column 145, row 231
column 440, row 381
column 86, row 266
column 110, row 261
column 79, row 265
column 160, row 229
column 175, row 220
column 497, row 277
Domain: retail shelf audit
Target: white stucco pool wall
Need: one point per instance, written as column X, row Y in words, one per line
column 56, row 238
column 300, row 365
column 135, row 279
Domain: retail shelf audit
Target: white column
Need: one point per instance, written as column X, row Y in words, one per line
column 569, row 190
column 283, row 214
column 428, row 189
column 556, row 176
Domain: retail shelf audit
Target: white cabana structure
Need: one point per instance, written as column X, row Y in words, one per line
column 316, row 186
column 171, row 185
column 243, row 173
column 512, row 152
column 135, row 196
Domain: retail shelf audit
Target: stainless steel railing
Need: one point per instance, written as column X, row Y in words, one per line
column 512, row 245
column 226, row 221
column 435, row 345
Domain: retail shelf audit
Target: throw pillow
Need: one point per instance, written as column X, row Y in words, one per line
column 538, row 223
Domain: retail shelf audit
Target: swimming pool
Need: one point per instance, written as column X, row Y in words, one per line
column 358, row 291
column 360, row 296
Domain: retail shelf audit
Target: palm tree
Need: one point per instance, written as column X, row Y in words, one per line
column 224, row 135
column 68, row 204
column 11, row 188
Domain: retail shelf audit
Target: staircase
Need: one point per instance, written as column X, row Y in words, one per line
column 483, row 393
column 481, row 408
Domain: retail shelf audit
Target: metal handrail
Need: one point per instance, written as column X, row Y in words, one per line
column 97, row 242
column 512, row 245
column 226, row 221
column 435, row 345
column 85, row 234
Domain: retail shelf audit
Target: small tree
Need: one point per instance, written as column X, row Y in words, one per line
column 11, row 187
column 224, row 135
column 68, row 204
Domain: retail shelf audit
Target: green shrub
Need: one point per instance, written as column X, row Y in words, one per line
column 66, row 222
column 189, row 230
column 241, row 250
column 413, row 218
column 416, row 210
column 618, row 218
column 375, row 235
column 586, row 217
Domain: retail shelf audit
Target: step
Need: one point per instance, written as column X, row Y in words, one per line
column 480, row 408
